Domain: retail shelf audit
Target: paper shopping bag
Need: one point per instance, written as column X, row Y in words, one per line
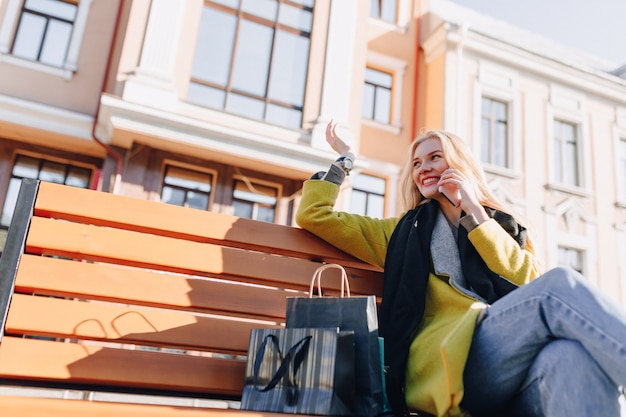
column 300, row 371
column 358, row 314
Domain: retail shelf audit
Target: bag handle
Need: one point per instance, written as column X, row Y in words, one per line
column 317, row 277
column 295, row 356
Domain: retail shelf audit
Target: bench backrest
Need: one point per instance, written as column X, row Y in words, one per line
column 106, row 292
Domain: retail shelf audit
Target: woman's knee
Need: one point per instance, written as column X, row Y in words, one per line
column 561, row 279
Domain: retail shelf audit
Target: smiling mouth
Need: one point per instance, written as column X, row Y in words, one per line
column 430, row 181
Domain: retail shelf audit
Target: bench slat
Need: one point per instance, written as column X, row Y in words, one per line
column 70, row 203
column 94, row 243
column 52, row 407
column 52, row 317
column 104, row 282
column 30, row 359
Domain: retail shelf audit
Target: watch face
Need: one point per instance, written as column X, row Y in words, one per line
column 347, row 163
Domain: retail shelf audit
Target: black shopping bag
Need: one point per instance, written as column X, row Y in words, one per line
column 358, row 314
column 300, row 371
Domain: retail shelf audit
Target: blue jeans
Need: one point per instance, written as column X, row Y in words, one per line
column 554, row 347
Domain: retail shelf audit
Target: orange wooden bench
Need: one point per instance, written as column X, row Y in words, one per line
column 117, row 306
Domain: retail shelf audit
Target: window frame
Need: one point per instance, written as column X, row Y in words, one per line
column 355, row 189
column 180, row 165
column 499, row 84
column 41, row 158
column 580, row 255
column 268, row 184
column 569, row 107
column 397, row 69
column 228, row 90
column 8, row 31
column 401, row 22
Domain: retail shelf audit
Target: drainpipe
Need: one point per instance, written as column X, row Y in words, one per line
column 118, row 158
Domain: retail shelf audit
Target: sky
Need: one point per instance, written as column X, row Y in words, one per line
column 596, row 27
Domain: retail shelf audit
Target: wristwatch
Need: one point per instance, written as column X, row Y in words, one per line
column 346, row 163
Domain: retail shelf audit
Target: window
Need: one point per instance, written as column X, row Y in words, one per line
column 254, row 201
column 377, row 96
column 44, row 31
column 368, row 196
column 44, row 35
column 494, row 132
column 384, row 10
column 42, row 169
column 572, row 258
column 566, row 162
column 186, row 188
column 621, row 166
column 251, row 59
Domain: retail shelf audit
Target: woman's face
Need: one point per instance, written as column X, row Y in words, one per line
column 428, row 165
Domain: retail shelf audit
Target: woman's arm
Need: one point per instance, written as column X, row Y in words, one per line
column 361, row 236
column 502, row 254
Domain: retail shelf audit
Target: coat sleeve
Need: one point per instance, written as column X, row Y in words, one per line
column 361, row 236
column 502, row 254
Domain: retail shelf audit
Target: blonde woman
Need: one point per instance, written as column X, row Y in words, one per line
column 471, row 326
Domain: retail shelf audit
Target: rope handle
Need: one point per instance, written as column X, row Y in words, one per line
column 317, row 277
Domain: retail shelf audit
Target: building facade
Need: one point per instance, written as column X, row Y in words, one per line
column 222, row 105
column 549, row 125
column 217, row 105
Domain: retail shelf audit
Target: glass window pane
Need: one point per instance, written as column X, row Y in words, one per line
column 267, row 9
column 383, row 105
column 253, row 196
column 206, row 96
column 289, row 67
column 295, row 17
column 388, row 12
column 376, row 206
column 52, row 172
column 173, row 196
column 189, row 179
column 78, row 177
column 56, row 43
column 378, row 77
column 358, row 202
column 242, row 209
column 284, row 116
column 245, row 106
column 252, row 58
column 26, row 167
column 29, row 36
column 306, row 3
column 266, row 214
column 53, row 8
column 234, row 4
column 197, row 200
column 212, row 59
column 369, row 183
column 367, row 107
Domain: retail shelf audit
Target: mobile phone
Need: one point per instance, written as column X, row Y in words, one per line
column 457, row 198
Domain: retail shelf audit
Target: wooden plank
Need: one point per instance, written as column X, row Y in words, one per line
column 59, row 318
column 105, row 282
column 12, row 406
column 106, row 209
column 102, row 244
column 38, row 360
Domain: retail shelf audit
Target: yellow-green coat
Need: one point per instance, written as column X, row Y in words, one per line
column 434, row 383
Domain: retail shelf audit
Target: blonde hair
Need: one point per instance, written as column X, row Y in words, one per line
column 459, row 156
